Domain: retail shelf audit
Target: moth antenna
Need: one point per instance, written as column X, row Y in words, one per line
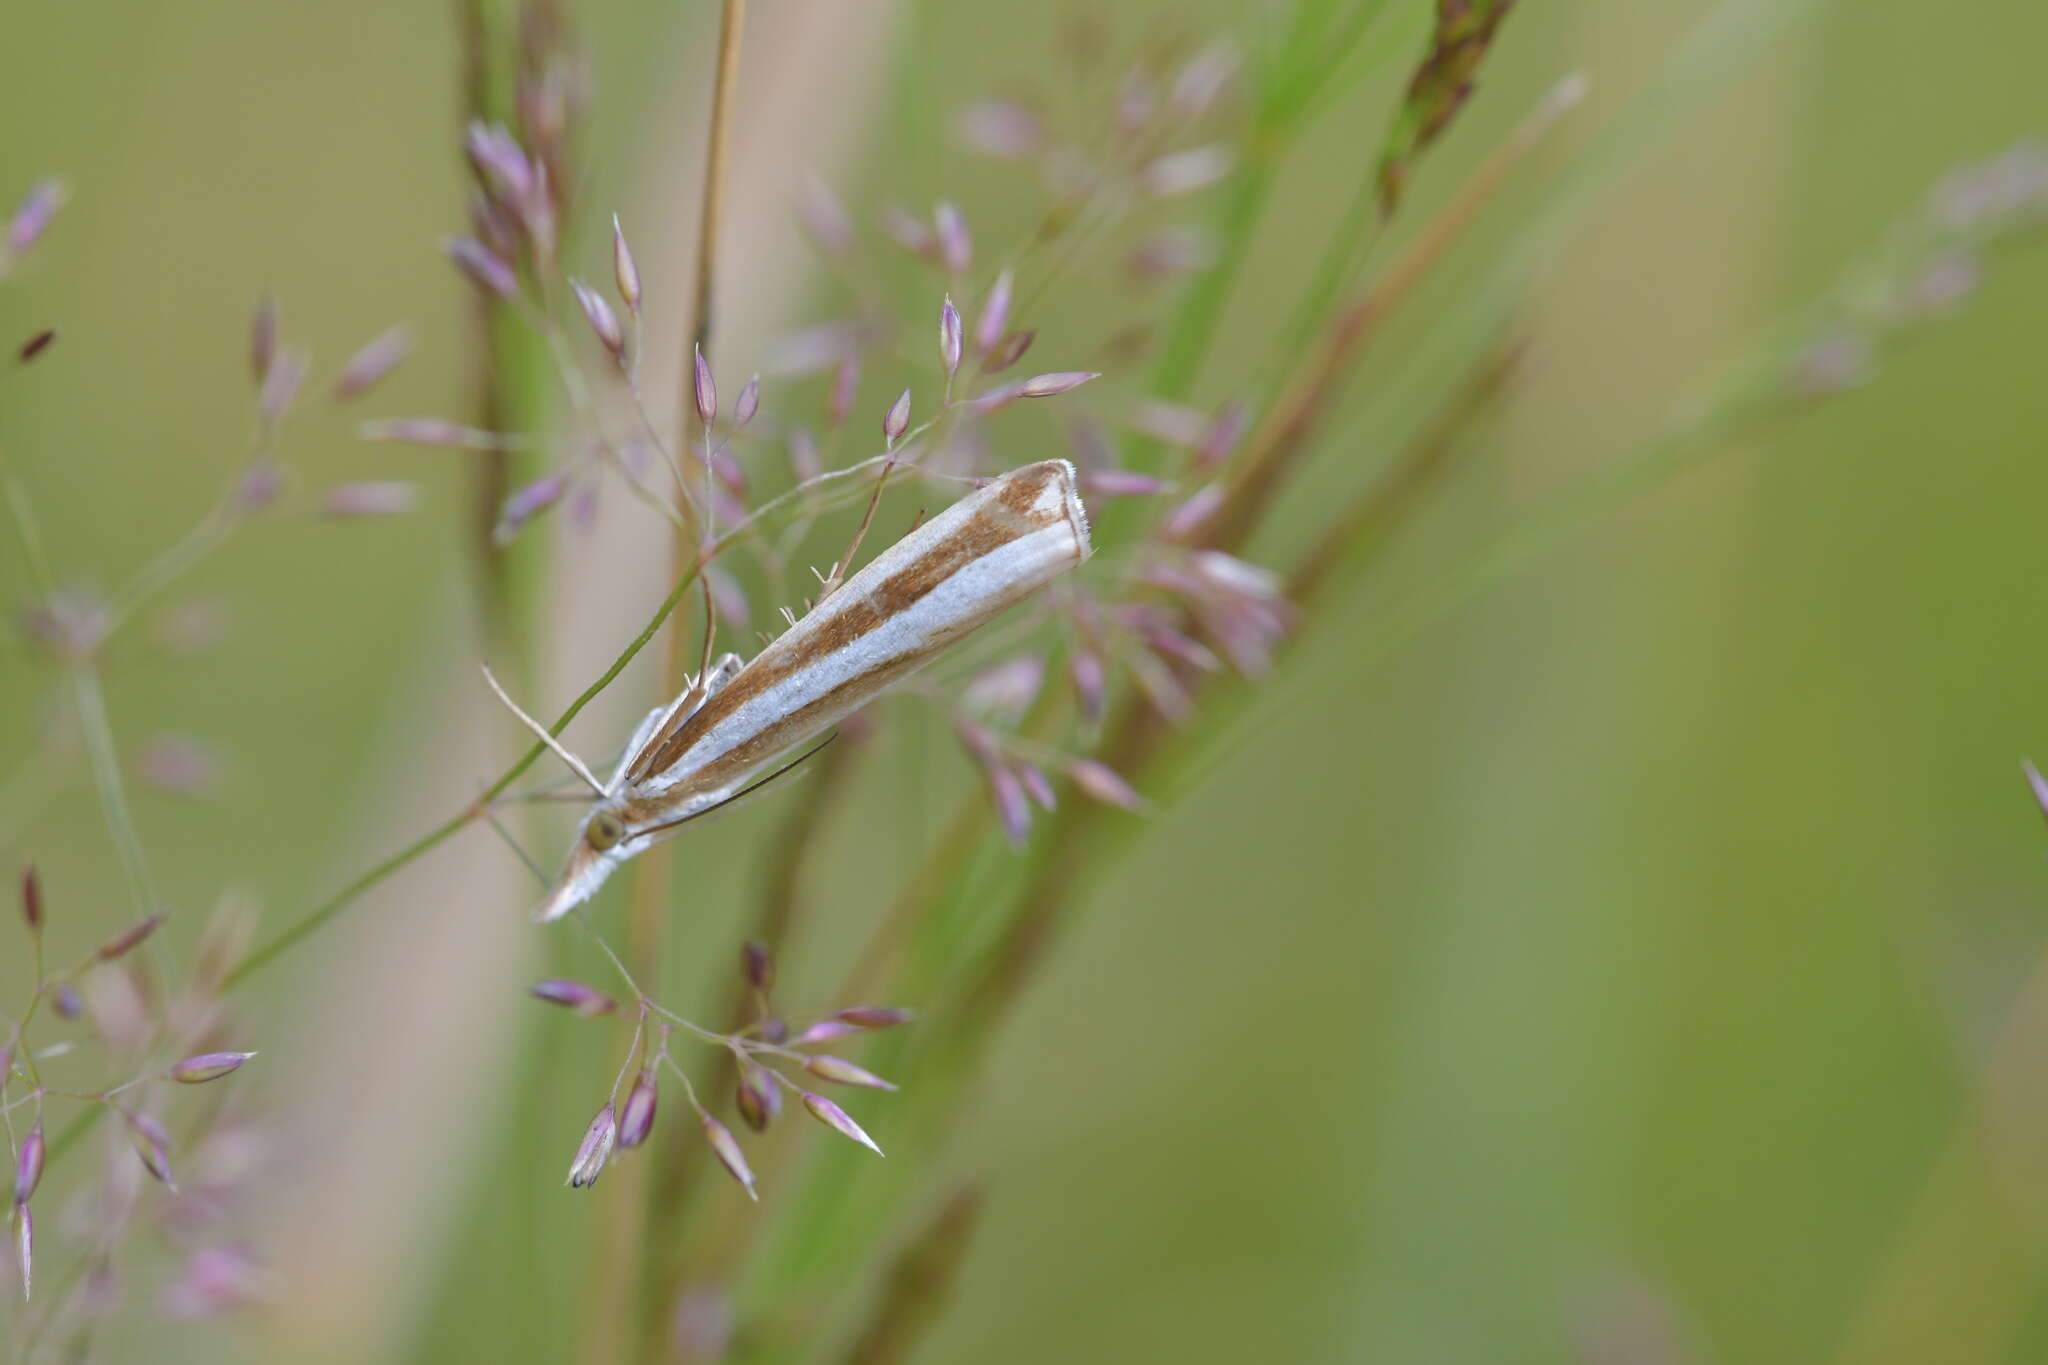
column 513, row 844
column 747, row 790
column 541, row 733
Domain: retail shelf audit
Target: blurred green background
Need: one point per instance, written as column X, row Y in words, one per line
column 1631, row 965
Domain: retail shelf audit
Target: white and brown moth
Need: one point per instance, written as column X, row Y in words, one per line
column 986, row 552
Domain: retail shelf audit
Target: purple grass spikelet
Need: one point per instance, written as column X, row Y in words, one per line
column 1009, row 351
column 208, row 1066
column 843, row 1072
column 757, row 1097
column 636, row 1117
column 67, row 1003
column 748, row 403
column 726, row 1148
column 379, row 356
column 1104, row 784
column 703, row 389
column 262, row 338
column 595, row 1149
column 949, row 337
column 956, row 244
column 995, row 314
column 757, row 964
column 120, row 944
column 32, row 218
column 1185, row 172
column 1061, row 381
column 587, row 1001
column 484, row 266
column 152, row 1146
column 24, row 1246
column 897, row 420
column 625, row 270
column 835, row 1118
column 527, row 503
column 28, row 1164
column 32, row 899
column 604, row 324
column 281, row 382
column 36, row 345
column 1002, row 129
column 355, row 501
column 845, row 383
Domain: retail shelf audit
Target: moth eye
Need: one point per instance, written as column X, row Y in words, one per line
column 604, row 831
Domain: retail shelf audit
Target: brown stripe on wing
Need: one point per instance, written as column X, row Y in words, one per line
column 1011, row 516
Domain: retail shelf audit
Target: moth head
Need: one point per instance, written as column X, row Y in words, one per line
column 603, row 831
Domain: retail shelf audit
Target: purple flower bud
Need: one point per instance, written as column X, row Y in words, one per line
column 595, row 1149
column 625, row 271
column 1172, row 644
column 995, row 314
column 66, row 1003
column 587, row 1001
column 949, row 337
column 603, row 322
column 152, row 1146
column 216, row 1280
column 1013, row 811
column 872, row 1016
column 702, row 1328
column 1206, row 76
column 1185, row 172
column 748, row 403
column 527, row 503
column 1005, row 691
column 773, row 1029
column 705, row 391
column 1221, row 435
column 1009, row 351
column 28, row 1164
column 208, row 1066
column 1121, row 483
column 824, row 1031
column 358, row 500
column 845, row 1073
column 805, row 463
column 1187, row 520
column 32, row 898
column 757, row 965
column 1102, row 782
column 897, row 420
column 1172, row 251
column 835, row 1118
column 2038, row 783
column 726, row 1148
column 1037, row 786
column 1090, row 680
column 262, row 338
column 180, row 765
column 956, row 246
column 483, row 266
column 120, row 943
column 434, row 431
column 24, row 1246
column 1174, row 423
column 844, row 384
column 1002, row 128
column 281, row 384
column 500, row 162
column 636, row 1120
column 1061, row 381
column 824, row 218
column 36, row 345
column 1137, row 99
column 910, row 233
column 379, row 356
column 37, row 208
column 758, row 1098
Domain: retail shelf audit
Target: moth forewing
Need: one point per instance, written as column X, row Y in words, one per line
column 954, row 573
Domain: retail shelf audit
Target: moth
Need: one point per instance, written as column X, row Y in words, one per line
column 954, row 573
